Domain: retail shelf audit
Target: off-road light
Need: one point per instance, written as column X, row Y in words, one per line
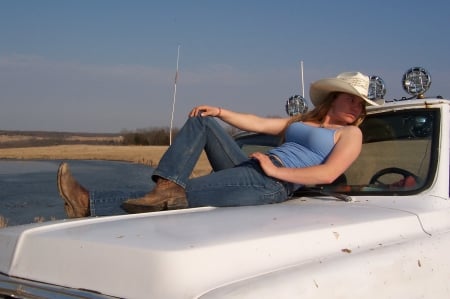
column 296, row 105
column 377, row 88
column 416, row 81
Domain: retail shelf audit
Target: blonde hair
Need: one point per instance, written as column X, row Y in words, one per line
column 319, row 112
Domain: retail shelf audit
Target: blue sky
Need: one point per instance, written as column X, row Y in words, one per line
column 108, row 66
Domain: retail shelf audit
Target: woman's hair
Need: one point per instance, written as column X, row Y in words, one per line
column 319, row 112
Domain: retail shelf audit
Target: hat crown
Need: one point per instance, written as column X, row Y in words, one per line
column 357, row 80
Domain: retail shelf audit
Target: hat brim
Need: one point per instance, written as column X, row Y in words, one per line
column 320, row 90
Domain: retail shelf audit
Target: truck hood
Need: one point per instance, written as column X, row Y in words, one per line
column 177, row 254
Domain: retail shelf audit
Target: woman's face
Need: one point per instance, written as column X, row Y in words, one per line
column 346, row 108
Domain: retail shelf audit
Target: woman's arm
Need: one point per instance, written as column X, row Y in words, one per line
column 243, row 121
column 345, row 152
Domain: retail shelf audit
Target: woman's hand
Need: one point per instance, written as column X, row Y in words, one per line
column 205, row 110
column 266, row 164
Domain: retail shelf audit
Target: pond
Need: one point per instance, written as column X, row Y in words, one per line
column 28, row 190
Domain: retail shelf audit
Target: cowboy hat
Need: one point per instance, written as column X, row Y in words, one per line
column 354, row 83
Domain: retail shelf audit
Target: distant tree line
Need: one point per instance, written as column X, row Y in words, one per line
column 12, row 139
column 155, row 136
column 150, row 136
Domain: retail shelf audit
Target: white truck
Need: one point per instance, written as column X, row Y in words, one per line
column 381, row 231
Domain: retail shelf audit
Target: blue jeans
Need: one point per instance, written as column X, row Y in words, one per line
column 236, row 180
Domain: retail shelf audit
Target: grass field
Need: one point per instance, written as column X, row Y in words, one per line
column 149, row 155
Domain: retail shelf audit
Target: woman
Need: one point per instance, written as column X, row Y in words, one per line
column 319, row 146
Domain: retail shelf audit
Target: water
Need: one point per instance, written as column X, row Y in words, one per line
column 28, row 190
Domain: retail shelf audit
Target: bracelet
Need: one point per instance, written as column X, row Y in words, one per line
column 220, row 111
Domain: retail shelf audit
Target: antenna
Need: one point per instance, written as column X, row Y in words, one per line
column 174, row 97
column 301, row 78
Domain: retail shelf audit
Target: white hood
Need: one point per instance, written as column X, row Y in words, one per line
column 187, row 252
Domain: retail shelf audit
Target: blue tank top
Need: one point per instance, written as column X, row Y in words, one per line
column 305, row 145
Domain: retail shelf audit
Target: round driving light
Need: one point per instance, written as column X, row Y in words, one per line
column 296, row 105
column 377, row 89
column 416, row 81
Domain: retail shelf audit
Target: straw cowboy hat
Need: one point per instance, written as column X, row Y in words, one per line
column 354, row 83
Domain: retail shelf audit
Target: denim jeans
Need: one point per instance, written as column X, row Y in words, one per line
column 235, row 180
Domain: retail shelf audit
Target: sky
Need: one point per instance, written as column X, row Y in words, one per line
column 108, row 66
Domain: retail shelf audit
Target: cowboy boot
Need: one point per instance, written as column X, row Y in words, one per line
column 76, row 197
column 166, row 195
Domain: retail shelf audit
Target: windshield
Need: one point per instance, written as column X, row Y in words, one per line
column 397, row 154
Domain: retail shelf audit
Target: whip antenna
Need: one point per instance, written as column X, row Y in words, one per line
column 301, row 77
column 174, row 97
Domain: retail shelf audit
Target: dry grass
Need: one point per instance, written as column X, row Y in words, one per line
column 149, row 155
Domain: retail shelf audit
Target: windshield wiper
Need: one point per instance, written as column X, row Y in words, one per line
column 321, row 191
